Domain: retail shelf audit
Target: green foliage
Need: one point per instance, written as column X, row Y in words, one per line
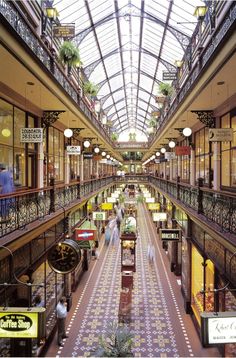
column 116, row 342
column 132, row 137
column 114, row 136
column 165, row 88
column 90, row 88
column 69, row 54
column 140, row 199
column 152, row 122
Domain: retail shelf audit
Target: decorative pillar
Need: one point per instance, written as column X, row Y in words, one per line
column 41, row 166
column 171, row 169
column 81, row 172
column 192, row 168
column 216, row 165
column 67, row 168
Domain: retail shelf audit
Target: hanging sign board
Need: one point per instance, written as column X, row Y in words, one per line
column 20, row 322
column 220, row 134
column 170, row 234
column 169, row 76
column 64, row 31
column 107, row 206
column 159, row 216
column 73, row 149
column 184, row 150
column 85, row 234
column 150, row 200
column 99, row 215
column 31, row 135
column 169, row 155
column 115, row 195
column 88, row 155
column 154, row 206
column 146, row 194
column 218, row 328
column 111, row 200
column 97, row 157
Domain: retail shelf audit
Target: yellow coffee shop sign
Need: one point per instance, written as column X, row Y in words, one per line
column 154, row 206
column 20, row 322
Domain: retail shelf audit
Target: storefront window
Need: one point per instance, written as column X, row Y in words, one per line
column 202, row 296
column 184, row 163
column 55, row 154
column 202, row 156
column 228, row 152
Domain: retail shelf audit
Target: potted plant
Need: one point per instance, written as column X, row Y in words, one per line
column 69, row 55
column 90, row 88
column 165, row 90
column 114, row 136
column 116, row 342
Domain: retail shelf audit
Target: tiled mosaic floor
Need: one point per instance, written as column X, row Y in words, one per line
column 156, row 323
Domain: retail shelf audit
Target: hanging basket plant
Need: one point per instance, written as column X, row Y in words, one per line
column 165, row 89
column 114, row 136
column 90, row 88
column 69, row 54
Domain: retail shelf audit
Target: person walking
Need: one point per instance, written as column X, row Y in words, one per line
column 61, row 311
column 6, row 187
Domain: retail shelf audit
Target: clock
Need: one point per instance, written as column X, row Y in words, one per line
column 64, row 256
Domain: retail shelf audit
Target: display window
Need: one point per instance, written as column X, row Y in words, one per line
column 228, row 151
column 202, row 279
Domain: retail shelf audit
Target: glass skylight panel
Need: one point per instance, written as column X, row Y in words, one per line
column 158, row 9
column 99, row 9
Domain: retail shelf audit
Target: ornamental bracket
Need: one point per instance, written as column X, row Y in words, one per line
column 50, row 117
column 206, row 117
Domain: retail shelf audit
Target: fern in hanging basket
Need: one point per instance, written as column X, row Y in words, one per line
column 69, row 54
column 165, row 88
column 90, row 88
column 114, row 136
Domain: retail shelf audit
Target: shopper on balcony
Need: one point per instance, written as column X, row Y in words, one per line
column 6, row 187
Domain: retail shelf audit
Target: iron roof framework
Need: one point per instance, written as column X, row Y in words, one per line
column 125, row 46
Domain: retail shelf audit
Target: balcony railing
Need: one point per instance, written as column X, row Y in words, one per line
column 21, row 209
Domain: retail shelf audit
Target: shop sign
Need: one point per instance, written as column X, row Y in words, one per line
column 31, row 135
column 170, row 234
column 19, row 322
column 73, row 149
column 157, row 161
column 184, row 150
column 169, row 76
column 88, row 155
column 169, row 155
column 64, row 31
column 218, row 328
column 103, row 161
column 146, row 194
column 97, row 157
column 85, row 234
column 99, row 215
column 150, row 200
column 159, row 216
column 115, row 195
column 154, row 206
column 107, row 206
column 220, row 134
column 111, row 200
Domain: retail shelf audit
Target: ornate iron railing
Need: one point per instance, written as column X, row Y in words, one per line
column 20, row 209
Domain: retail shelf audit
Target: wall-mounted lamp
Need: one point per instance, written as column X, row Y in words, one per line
column 171, row 144
column 187, row 132
column 178, row 63
column 68, row 133
column 96, row 149
column 86, row 143
column 200, row 12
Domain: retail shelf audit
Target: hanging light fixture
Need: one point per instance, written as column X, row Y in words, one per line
column 68, row 133
column 200, row 12
column 158, row 154
column 163, row 150
column 103, row 154
column 171, row 144
column 108, row 156
column 187, row 132
column 96, row 149
column 86, row 143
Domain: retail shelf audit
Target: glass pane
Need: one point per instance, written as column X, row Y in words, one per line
column 6, row 123
column 19, row 122
column 225, row 168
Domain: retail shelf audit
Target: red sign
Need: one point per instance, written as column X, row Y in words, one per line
column 185, row 150
column 85, row 234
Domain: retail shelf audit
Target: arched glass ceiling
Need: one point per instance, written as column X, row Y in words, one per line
column 125, row 46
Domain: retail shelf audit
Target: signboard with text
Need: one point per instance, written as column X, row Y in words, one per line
column 107, row 206
column 154, row 206
column 85, row 234
column 220, row 134
column 150, row 200
column 111, row 200
column 169, row 76
column 31, row 135
column 73, row 149
column 159, row 216
column 184, row 150
column 99, row 215
column 170, row 234
column 20, row 322
column 88, row 155
column 218, row 328
column 64, row 31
